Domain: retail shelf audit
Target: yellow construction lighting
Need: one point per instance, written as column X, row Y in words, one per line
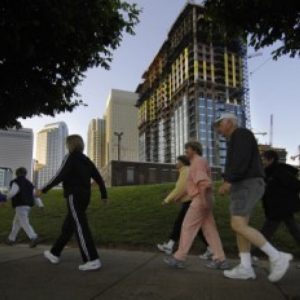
column 226, row 68
column 196, row 70
column 233, row 70
column 212, row 72
column 186, row 58
column 204, row 70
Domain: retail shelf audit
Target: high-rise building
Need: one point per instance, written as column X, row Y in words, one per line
column 50, row 151
column 194, row 77
column 16, row 151
column 96, row 142
column 121, row 118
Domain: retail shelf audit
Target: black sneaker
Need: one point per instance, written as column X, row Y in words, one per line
column 33, row 243
column 9, row 242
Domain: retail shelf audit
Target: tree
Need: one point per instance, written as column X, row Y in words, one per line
column 263, row 22
column 46, row 46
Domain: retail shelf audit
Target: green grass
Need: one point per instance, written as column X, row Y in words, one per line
column 134, row 218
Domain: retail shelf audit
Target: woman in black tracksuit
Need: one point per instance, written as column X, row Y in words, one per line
column 76, row 173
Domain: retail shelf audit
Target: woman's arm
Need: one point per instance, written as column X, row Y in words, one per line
column 61, row 174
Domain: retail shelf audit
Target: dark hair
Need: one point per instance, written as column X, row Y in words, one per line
column 21, row 172
column 271, row 155
column 196, row 146
column 184, row 160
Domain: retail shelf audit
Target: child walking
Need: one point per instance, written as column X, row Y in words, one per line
column 179, row 194
column 76, row 173
column 21, row 194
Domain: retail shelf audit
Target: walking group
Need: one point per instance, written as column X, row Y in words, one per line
column 246, row 182
column 244, row 179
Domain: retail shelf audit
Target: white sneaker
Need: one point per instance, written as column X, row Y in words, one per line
column 52, row 258
column 279, row 267
column 207, row 255
column 165, row 248
column 91, row 265
column 240, row 272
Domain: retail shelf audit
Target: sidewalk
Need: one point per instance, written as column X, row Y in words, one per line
column 24, row 274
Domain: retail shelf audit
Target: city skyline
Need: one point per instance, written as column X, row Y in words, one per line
column 278, row 94
column 16, row 150
column 96, row 139
column 50, row 151
column 121, row 123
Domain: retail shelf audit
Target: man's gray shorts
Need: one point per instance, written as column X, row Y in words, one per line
column 244, row 196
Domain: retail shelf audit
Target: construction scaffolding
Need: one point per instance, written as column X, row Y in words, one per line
column 192, row 79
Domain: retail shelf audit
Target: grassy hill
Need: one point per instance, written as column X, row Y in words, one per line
column 134, row 218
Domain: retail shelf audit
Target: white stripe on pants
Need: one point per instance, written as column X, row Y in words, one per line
column 21, row 220
column 78, row 227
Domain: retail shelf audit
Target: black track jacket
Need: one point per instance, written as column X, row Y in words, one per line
column 76, row 173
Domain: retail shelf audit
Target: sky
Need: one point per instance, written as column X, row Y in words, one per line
column 274, row 87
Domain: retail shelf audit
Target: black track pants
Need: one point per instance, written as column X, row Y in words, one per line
column 76, row 222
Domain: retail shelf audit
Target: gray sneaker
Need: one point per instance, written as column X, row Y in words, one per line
column 218, row 265
column 174, row 263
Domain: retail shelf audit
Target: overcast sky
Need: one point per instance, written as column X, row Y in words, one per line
column 274, row 87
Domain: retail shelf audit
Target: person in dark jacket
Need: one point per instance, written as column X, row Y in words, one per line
column 281, row 199
column 244, row 180
column 21, row 194
column 76, row 173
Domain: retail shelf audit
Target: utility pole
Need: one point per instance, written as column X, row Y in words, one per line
column 119, row 136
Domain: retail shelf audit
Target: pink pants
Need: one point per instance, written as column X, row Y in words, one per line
column 199, row 216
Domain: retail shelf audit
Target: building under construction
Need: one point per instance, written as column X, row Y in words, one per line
column 194, row 77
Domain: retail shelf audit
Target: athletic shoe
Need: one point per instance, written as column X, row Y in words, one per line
column 9, row 242
column 91, row 265
column 279, row 267
column 50, row 257
column 34, row 242
column 174, row 263
column 218, row 265
column 240, row 272
column 207, row 255
column 165, row 248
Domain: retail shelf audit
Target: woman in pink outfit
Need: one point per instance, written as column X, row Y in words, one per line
column 200, row 213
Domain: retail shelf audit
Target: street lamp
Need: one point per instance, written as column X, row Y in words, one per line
column 119, row 136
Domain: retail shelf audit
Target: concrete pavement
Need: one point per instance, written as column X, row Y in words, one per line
column 24, row 274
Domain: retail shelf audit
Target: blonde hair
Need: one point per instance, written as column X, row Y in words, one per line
column 75, row 143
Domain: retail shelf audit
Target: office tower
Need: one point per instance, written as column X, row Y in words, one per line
column 193, row 78
column 121, row 119
column 16, row 151
column 96, row 142
column 51, row 150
